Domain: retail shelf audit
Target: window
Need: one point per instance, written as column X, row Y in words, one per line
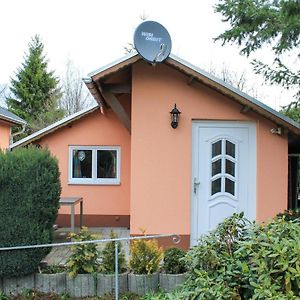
column 94, row 165
column 223, row 167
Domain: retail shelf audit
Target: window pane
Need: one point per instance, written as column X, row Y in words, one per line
column 82, row 164
column 229, row 186
column 216, row 186
column 216, row 167
column 106, row 163
column 216, row 148
column 230, row 167
column 230, row 149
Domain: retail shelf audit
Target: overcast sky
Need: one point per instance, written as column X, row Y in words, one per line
column 93, row 33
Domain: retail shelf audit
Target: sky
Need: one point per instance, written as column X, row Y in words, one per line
column 93, row 33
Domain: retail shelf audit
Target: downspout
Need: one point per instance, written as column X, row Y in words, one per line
column 94, row 90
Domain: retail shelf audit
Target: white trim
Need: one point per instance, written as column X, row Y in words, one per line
column 94, row 180
column 252, row 167
column 53, row 127
column 112, row 64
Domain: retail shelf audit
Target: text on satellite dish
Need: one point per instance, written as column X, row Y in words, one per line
column 149, row 36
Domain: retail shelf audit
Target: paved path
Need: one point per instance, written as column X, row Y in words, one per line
column 59, row 255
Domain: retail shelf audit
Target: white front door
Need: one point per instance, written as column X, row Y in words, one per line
column 224, row 173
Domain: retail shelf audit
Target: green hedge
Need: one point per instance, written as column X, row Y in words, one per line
column 29, row 201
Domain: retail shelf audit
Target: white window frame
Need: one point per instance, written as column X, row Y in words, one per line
column 94, row 180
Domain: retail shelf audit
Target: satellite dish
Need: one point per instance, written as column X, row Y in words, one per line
column 152, row 41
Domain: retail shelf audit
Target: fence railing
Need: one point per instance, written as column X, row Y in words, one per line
column 175, row 239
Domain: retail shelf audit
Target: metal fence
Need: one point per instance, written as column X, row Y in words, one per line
column 175, row 239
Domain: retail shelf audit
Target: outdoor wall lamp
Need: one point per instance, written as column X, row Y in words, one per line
column 175, row 113
column 276, row 130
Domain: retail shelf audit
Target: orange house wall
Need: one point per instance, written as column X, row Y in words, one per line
column 161, row 156
column 100, row 201
column 4, row 135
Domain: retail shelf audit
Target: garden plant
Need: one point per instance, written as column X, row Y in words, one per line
column 173, row 262
column 291, row 214
column 107, row 257
column 144, row 262
column 243, row 260
column 106, row 277
column 145, row 256
column 30, row 190
column 173, row 269
column 84, row 257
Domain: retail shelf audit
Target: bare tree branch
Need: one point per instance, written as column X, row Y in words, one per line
column 3, row 94
column 234, row 78
column 75, row 94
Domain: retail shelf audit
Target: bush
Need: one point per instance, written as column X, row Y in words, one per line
column 145, row 256
column 291, row 214
column 29, row 201
column 53, row 269
column 173, row 261
column 240, row 260
column 83, row 259
column 107, row 265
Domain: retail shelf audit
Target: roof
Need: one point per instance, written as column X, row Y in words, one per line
column 10, row 117
column 202, row 76
column 183, row 66
column 55, row 126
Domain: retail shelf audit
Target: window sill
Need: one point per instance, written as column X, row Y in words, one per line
column 72, row 182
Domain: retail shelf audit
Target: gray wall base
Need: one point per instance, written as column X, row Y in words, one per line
column 83, row 285
column 169, row 282
column 142, row 284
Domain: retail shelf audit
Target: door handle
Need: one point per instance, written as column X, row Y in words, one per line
column 196, row 184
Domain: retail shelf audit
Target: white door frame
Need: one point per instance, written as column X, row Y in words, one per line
column 251, row 126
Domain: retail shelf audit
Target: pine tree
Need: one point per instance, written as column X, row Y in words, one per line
column 35, row 91
column 259, row 23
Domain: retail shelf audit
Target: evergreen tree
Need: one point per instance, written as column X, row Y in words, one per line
column 258, row 23
column 292, row 112
column 35, row 91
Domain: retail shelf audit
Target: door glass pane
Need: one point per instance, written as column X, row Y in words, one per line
column 216, row 148
column 216, row 167
column 82, row 164
column 230, row 167
column 230, row 149
column 106, row 163
column 216, row 186
column 229, row 186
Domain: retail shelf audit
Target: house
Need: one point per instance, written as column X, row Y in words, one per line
column 7, row 120
column 229, row 152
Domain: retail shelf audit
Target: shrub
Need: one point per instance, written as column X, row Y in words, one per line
column 240, row 260
column 173, row 261
column 83, row 259
column 107, row 265
column 291, row 214
column 29, row 201
column 53, row 269
column 145, row 256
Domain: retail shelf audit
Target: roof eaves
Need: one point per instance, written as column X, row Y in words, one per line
column 10, row 117
column 113, row 64
column 236, row 91
column 59, row 124
column 12, row 121
column 130, row 58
